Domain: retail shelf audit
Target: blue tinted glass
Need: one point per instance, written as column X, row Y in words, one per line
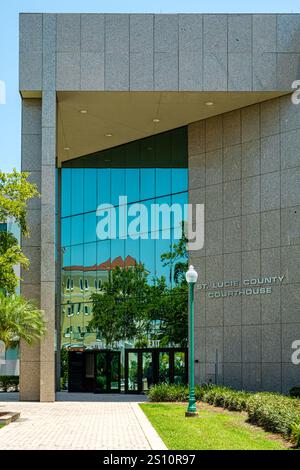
column 77, row 191
column 147, row 253
column 147, row 179
column 179, row 180
column 76, row 229
column 90, row 189
column 66, row 191
column 107, row 223
column 117, row 185
column 132, row 178
column 132, row 251
column 77, row 256
column 87, row 261
column 90, row 254
column 139, row 218
column 66, row 256
column 103, row 255
column 90, row 227
column 180, row 200
column 163, row 213
column 103, row 186
column 66, row 231
column 117, row 253
column 163, row 245
column 163, row 181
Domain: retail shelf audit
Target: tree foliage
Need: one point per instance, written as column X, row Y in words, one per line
column 128, row 306
column 15, row 192
column 119, row 307
column 19, row 319
column 177, row 259
column 10, row 256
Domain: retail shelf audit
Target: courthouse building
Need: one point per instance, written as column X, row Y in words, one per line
column 171, row 108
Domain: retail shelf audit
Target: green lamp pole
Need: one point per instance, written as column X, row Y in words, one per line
column 191, row 278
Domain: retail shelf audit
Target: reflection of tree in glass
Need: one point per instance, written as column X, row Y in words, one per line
column 119, row 308
column 164, row 367
column 179, row 367
column 132, row 374
column 128, row 308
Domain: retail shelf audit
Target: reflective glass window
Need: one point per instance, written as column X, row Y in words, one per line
column 76, row 229
column 90, row 190
column 77, row 191
column 149, row 172
column 66, row 192
column 147, row 183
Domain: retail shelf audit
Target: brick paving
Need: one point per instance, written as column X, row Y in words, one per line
column 84, row 422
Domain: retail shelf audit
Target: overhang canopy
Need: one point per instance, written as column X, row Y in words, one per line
column 92, row 121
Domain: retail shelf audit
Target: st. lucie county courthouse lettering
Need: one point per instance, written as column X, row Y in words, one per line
column 236, row 288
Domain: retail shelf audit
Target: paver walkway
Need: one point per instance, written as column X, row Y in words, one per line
column 101, row 422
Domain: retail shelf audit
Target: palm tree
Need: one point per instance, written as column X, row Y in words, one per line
column 20, row 319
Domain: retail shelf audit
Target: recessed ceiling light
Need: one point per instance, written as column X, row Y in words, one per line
column 209, row 103
column 67, row 148
column 83, row 111
column 155, row 120
column 108, row 135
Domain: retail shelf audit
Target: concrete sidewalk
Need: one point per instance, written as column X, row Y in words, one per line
column 96, row 422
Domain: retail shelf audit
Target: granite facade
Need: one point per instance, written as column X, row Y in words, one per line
column 252, row 205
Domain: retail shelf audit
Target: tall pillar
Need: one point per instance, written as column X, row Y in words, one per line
column 31, row 279
column 48, row 200
column 37, row 365
column 47, row 351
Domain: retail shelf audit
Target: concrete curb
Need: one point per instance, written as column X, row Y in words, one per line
column 155, row 442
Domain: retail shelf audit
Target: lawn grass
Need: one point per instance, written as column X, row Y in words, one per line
column 213, row 430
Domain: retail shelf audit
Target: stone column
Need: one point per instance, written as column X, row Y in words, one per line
column 30, row 286
column 47, row 351
column 48, row 190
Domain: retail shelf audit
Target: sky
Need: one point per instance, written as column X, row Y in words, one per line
column 10, row 112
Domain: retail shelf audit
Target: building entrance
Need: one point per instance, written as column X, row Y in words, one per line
column 94, row 371
column 101, row 371
column 146, row 367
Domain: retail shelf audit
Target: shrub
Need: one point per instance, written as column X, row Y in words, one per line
column 274, row 412
column 295, row 434
column 175, row 393
column 165, row 392
column 295, row 392
column 9, row 382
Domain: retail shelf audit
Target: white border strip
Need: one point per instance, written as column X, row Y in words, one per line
column 151, row 435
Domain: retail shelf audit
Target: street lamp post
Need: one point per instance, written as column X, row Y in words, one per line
column 191, row 278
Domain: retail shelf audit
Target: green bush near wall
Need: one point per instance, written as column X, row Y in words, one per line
column 273, row 412
column 9, row 383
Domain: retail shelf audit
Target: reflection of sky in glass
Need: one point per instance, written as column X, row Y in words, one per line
column 83, row 190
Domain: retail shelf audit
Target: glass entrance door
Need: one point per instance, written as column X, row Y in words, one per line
column 107, row 371
column 146, row 367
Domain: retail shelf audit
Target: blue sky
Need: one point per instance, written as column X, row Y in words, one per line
column 10, row 115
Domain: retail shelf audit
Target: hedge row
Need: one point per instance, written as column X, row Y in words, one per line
column 9, row 383
column 273, row 412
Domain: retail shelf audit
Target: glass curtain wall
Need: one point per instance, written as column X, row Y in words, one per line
column 149, row 171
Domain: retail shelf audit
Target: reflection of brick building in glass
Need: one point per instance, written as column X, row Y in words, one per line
column 78, row 283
